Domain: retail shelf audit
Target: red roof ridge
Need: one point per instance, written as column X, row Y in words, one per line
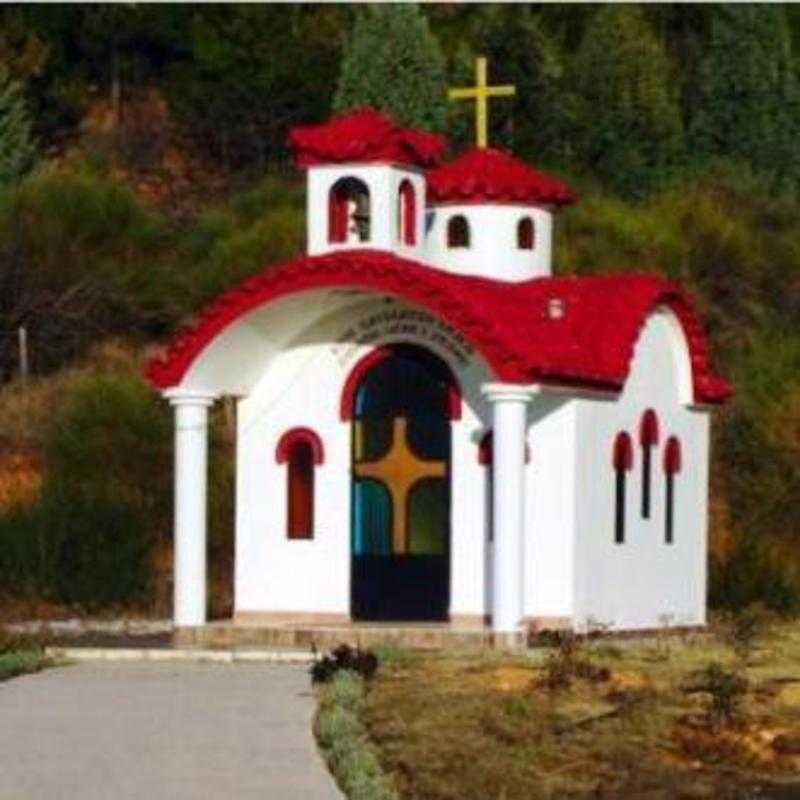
column 491, row 174
column 516, row 332
column 364, row 135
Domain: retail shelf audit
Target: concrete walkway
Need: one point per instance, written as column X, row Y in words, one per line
column 154, row 731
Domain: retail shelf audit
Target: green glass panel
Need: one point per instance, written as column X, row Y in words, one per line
column 428, row 512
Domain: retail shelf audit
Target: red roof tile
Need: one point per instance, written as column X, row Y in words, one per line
column 364, row 135
column 574, row 330
column 487, row 175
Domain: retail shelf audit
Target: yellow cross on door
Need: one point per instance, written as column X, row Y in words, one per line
column 399, row 470
column 481, row 94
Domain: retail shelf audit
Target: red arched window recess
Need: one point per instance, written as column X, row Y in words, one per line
column 648, row 439
column 672, row 466
column 337, row 214
column 458, row 231
column 525, row 234
column 374, row 358
column 407, row 207
column 623, row 462
column 301, row 450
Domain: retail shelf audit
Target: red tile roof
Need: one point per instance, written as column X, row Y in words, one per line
column 574, row 330
column 487, row 175
column 364, row 135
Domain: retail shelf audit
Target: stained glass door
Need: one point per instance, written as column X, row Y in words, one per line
column 401, row 490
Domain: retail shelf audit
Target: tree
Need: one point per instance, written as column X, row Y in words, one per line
column 520, row 52
column 627, row 124
column 393, row 62
column 17, row 148
column 746, row 102
column 252, row 72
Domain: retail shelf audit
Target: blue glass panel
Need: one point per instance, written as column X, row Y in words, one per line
column 372, row 518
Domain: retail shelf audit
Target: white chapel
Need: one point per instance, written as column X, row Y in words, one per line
column 431, row 427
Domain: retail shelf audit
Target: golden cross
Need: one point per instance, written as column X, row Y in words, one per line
column 399, row 470
column 481, row 94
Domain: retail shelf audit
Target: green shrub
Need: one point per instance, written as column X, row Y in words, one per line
column 725, row 691
column 102, row 545
column 24, row 556
column 752, row 575
column 106, row 498
column 20, row 663
column 743, row 630
column 344, row 742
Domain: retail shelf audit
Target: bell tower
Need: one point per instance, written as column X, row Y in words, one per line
column 366, row 183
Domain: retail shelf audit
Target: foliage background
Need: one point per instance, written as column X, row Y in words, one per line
column 149, row 172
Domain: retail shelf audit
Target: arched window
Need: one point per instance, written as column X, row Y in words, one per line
column 407, row 213
column 525, row 234
column 672, row 466
column 458, row 231
column 623, row 463
column 349, row 211
column 648, row 438
column 301, row 450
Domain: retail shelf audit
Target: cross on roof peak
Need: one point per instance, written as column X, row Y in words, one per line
column 481, row 93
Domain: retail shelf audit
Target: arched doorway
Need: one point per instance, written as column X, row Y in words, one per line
column 401, row 488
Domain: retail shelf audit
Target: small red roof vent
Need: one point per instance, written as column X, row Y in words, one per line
column 364, row 135
column 487, row 175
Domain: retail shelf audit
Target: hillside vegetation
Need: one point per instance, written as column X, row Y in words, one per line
column 143, row 169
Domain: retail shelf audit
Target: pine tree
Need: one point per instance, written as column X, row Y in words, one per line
column 746, row 103
column 520, row 52
column 17, row 149
column 627, row 124
column 393, row 62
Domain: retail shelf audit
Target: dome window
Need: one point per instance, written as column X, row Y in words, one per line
column 349, row 211
column 458, row 231
column 525, row 234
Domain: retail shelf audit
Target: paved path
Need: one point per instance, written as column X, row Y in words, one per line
column 160, row 732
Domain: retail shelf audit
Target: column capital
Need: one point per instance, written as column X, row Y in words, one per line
column 189, row 397
column 510, row 392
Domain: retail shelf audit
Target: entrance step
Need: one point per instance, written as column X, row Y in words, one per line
column 325, row 637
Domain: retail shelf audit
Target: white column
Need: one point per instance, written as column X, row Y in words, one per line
column 509, row 402
column 191, row 468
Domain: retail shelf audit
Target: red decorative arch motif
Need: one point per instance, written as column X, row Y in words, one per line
column 623, row 452
column 648, row 428
column 672, row 456
column 375, row 357
column 283, row 450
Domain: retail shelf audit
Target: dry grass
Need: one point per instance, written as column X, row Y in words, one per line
column 480, row 728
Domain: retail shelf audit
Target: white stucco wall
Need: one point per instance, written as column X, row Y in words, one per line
column 493, row 251
column 301, row 387
column 643, row 583
column 551, row 509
